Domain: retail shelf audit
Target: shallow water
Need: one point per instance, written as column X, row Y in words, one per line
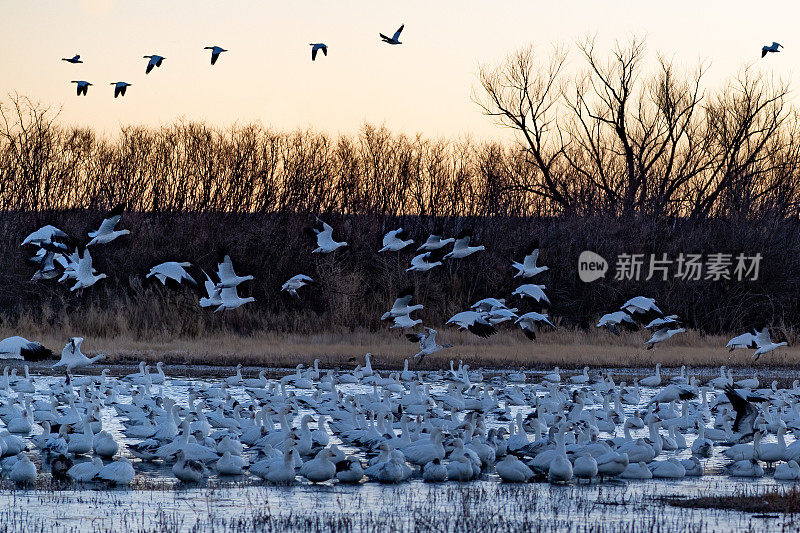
column 246, row 504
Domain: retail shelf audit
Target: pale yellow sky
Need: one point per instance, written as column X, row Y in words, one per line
column 423, row 85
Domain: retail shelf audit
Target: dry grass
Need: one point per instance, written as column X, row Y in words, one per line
column 567, row 348
column 771, row 501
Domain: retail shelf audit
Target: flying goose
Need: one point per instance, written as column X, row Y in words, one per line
column 213, row 296
column 171, row 270
column 435, row 242
column 74, row 59
column 393, row 241
column 746, row 412
column 529, row 321
column 82, row 87
column 462, row 249
column 773, row 48
column 85, row 275
column 21, row 348
column 72, row 357
column 296, row 282
column 745, row 340
column 227, row 276
column 528, row 268
column 532, row 291
column 400, row 306
column 106, row 232
column 663, row 334
column 120, row 87
column 215, row 52
column 325, row 242
column 155, row 61
column 427, row 344
column 426, row 261
column 765, row 344
column 46, row 235
column 230, row 299
column 473, row 321
column 316, row 47
column 611, row 321
column 394, row 39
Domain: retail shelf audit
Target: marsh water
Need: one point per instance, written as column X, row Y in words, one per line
column 158, row 502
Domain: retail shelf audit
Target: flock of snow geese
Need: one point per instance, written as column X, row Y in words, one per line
column 155, row 61
column 326, row 426
column 350, row 426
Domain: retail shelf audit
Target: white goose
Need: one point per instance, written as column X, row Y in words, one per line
column 85, row 275
column 72, row 357
column 107, row 232
column 528, row 267
column 462, row 249
column 325, row 242
column 393, row 241
column 171, row 270
column 427, row 344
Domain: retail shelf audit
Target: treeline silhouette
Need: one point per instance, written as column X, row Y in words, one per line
column 615, row 158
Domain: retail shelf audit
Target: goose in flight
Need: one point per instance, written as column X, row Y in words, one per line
column 427, row 344
column 85, row 275
column 227, row 276
column 394, row 241
column 155, row 61
column 230, row 299
column 316, row 47
column 394, row 39
column 746, row 413
column 400, row 306
column 765, row 344
column 171, row 270
column 462, row 249
column 213, row 296
column 82, row 87
column 663, row 334
column 74, row 59
column 529, row 321
column 21, row 348
column 771, row 49
column 106, row 232
column 532, row 291
column 296, row 282
column 46, row 235
column 120, row 87
column 667, row 321
column 72, row 357
column 435, row 242
column 745, row 340
column 611, row 321
column 404, row 322
column 474, row 322
column 325, row 242
column 528, row 267
column 426, row 261
column 215, row 52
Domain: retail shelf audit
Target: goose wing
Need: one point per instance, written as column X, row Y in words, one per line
column 745, row 411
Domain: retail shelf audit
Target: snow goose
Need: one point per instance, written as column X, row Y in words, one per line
column 21, row 348
column 670, row 469
column 155, row 61
column 461, row 469
column 119, row 472
column 230, row 299
column 692, row 466
column 435, row 242
column 427, row 344
column 560, row 470
column 24, row 471
column 767, row 49
column 612, row 464
column 612, row 321
column 745, row 340
column 72, row 357
column 105, row 445
column 641, row 305
column 320, row 468
column 215, row 52
column 772, row 452
column 171, row 270
column 188, row 470
column 745, row 468
column 663, row 334
column 585, row 467
column 296, row 282
column 580, row 379
column 351, row 470
column 46, row 235
column 512, row 470
column 531, row 290
column 528, row 267
column 283, row 471
column 325, row 242
column 401, row 305
column 434, row 471
column 426, row 261
column 765, row 344
column 746, row 412
column 85, row 275
column 462, row 249
column 86, row 471
column 316, row 47
column 74, row 59
column 81, row 87
column 230, row 465
column 789, row 471
column 394, row 241
column 637, row 470
column 473, row 321
column 529, row 321
column 652, row 381
column 120, row 87
column 394, row 39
